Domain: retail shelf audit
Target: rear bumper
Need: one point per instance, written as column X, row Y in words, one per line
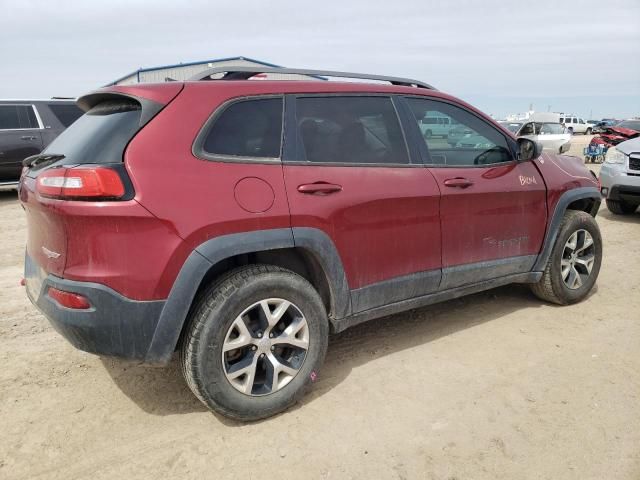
column 113, row 326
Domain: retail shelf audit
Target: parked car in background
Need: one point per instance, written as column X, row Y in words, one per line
column 552, row 136
column 600, row 126
column 435, row 126
column 622, row 131
column 620, row 177
column 610, row 137
column 26, row 128
column 238, row 223
column 576, row 125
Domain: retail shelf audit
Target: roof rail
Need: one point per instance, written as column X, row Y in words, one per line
column 244, row 73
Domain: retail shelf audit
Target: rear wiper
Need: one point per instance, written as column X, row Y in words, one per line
column 34, row 160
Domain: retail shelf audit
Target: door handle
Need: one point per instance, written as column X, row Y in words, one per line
column 319, row 188
column 27, row 137
column 458, row 182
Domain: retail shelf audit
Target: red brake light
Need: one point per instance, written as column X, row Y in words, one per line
column 69, row 299
column 95, row 183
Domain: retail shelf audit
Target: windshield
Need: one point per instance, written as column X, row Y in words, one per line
column 100, row 135
column 631, row 124
column 511, row 126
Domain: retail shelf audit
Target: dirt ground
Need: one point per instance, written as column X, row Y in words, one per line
column 496, row 385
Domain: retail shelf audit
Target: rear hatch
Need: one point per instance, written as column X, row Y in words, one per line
column 84, row 167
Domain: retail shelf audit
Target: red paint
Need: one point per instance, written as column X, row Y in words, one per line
column 495, row 208
column 385, row 222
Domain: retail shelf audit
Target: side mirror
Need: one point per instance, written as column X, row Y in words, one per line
column 528, row 149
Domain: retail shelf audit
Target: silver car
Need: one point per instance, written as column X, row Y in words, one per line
column 620, row 177
column 552, row 136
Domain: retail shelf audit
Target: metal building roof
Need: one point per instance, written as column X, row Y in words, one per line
column 188, row 64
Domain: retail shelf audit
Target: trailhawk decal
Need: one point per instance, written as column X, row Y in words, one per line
column 507, row 242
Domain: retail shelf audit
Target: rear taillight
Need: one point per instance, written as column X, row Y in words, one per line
column 69, row 299
column 80, row 183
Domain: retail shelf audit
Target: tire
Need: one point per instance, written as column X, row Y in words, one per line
column 570, row 130
column 213, row 325
column 588, row 132
column 620, row 207
column 552, row 287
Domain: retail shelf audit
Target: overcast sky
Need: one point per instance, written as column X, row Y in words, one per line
column 500, row 55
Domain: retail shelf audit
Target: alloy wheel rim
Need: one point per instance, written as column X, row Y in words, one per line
column 265, row 347
column 578, row 258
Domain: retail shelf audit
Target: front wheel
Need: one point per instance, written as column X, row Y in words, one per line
column 574, row 263
column 255, row 342
column 588, row 132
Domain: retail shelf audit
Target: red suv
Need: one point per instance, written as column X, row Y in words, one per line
column 240, row 222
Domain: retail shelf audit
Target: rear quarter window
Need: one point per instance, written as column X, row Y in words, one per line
column 249, row 128
column 100, row 135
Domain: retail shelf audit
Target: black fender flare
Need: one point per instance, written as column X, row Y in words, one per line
column 209, row 253
column 565, row 200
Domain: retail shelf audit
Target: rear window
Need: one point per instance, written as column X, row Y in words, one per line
column 249, row 128
column 65, row 113
column 100, row 135
column 14, row 117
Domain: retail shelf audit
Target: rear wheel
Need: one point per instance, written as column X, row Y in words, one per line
column 255, row 342
column 588, row 132
column 620, row 207
column 574, row 263
column 570, row 130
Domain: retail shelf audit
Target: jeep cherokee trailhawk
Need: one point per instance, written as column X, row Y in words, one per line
column 239, row 222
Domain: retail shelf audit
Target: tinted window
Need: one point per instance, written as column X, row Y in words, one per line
column 99, row 136
column 250, row 128
column 66, row 114
column 469, row 141
column 17, row 117
column 581, row 121
column 350, row 130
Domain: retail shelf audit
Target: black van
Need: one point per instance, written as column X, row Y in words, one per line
column 26, row 128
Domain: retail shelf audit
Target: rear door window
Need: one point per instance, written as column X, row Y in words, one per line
column 17, row 117
column 65, row 113
column 100, row 135
column 248, row 128
column 350, row 129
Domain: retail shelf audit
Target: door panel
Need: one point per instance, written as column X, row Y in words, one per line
column 501, row 215
column 384, row 221
column 492, row 209
column 15, row 146
column 383, row 217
